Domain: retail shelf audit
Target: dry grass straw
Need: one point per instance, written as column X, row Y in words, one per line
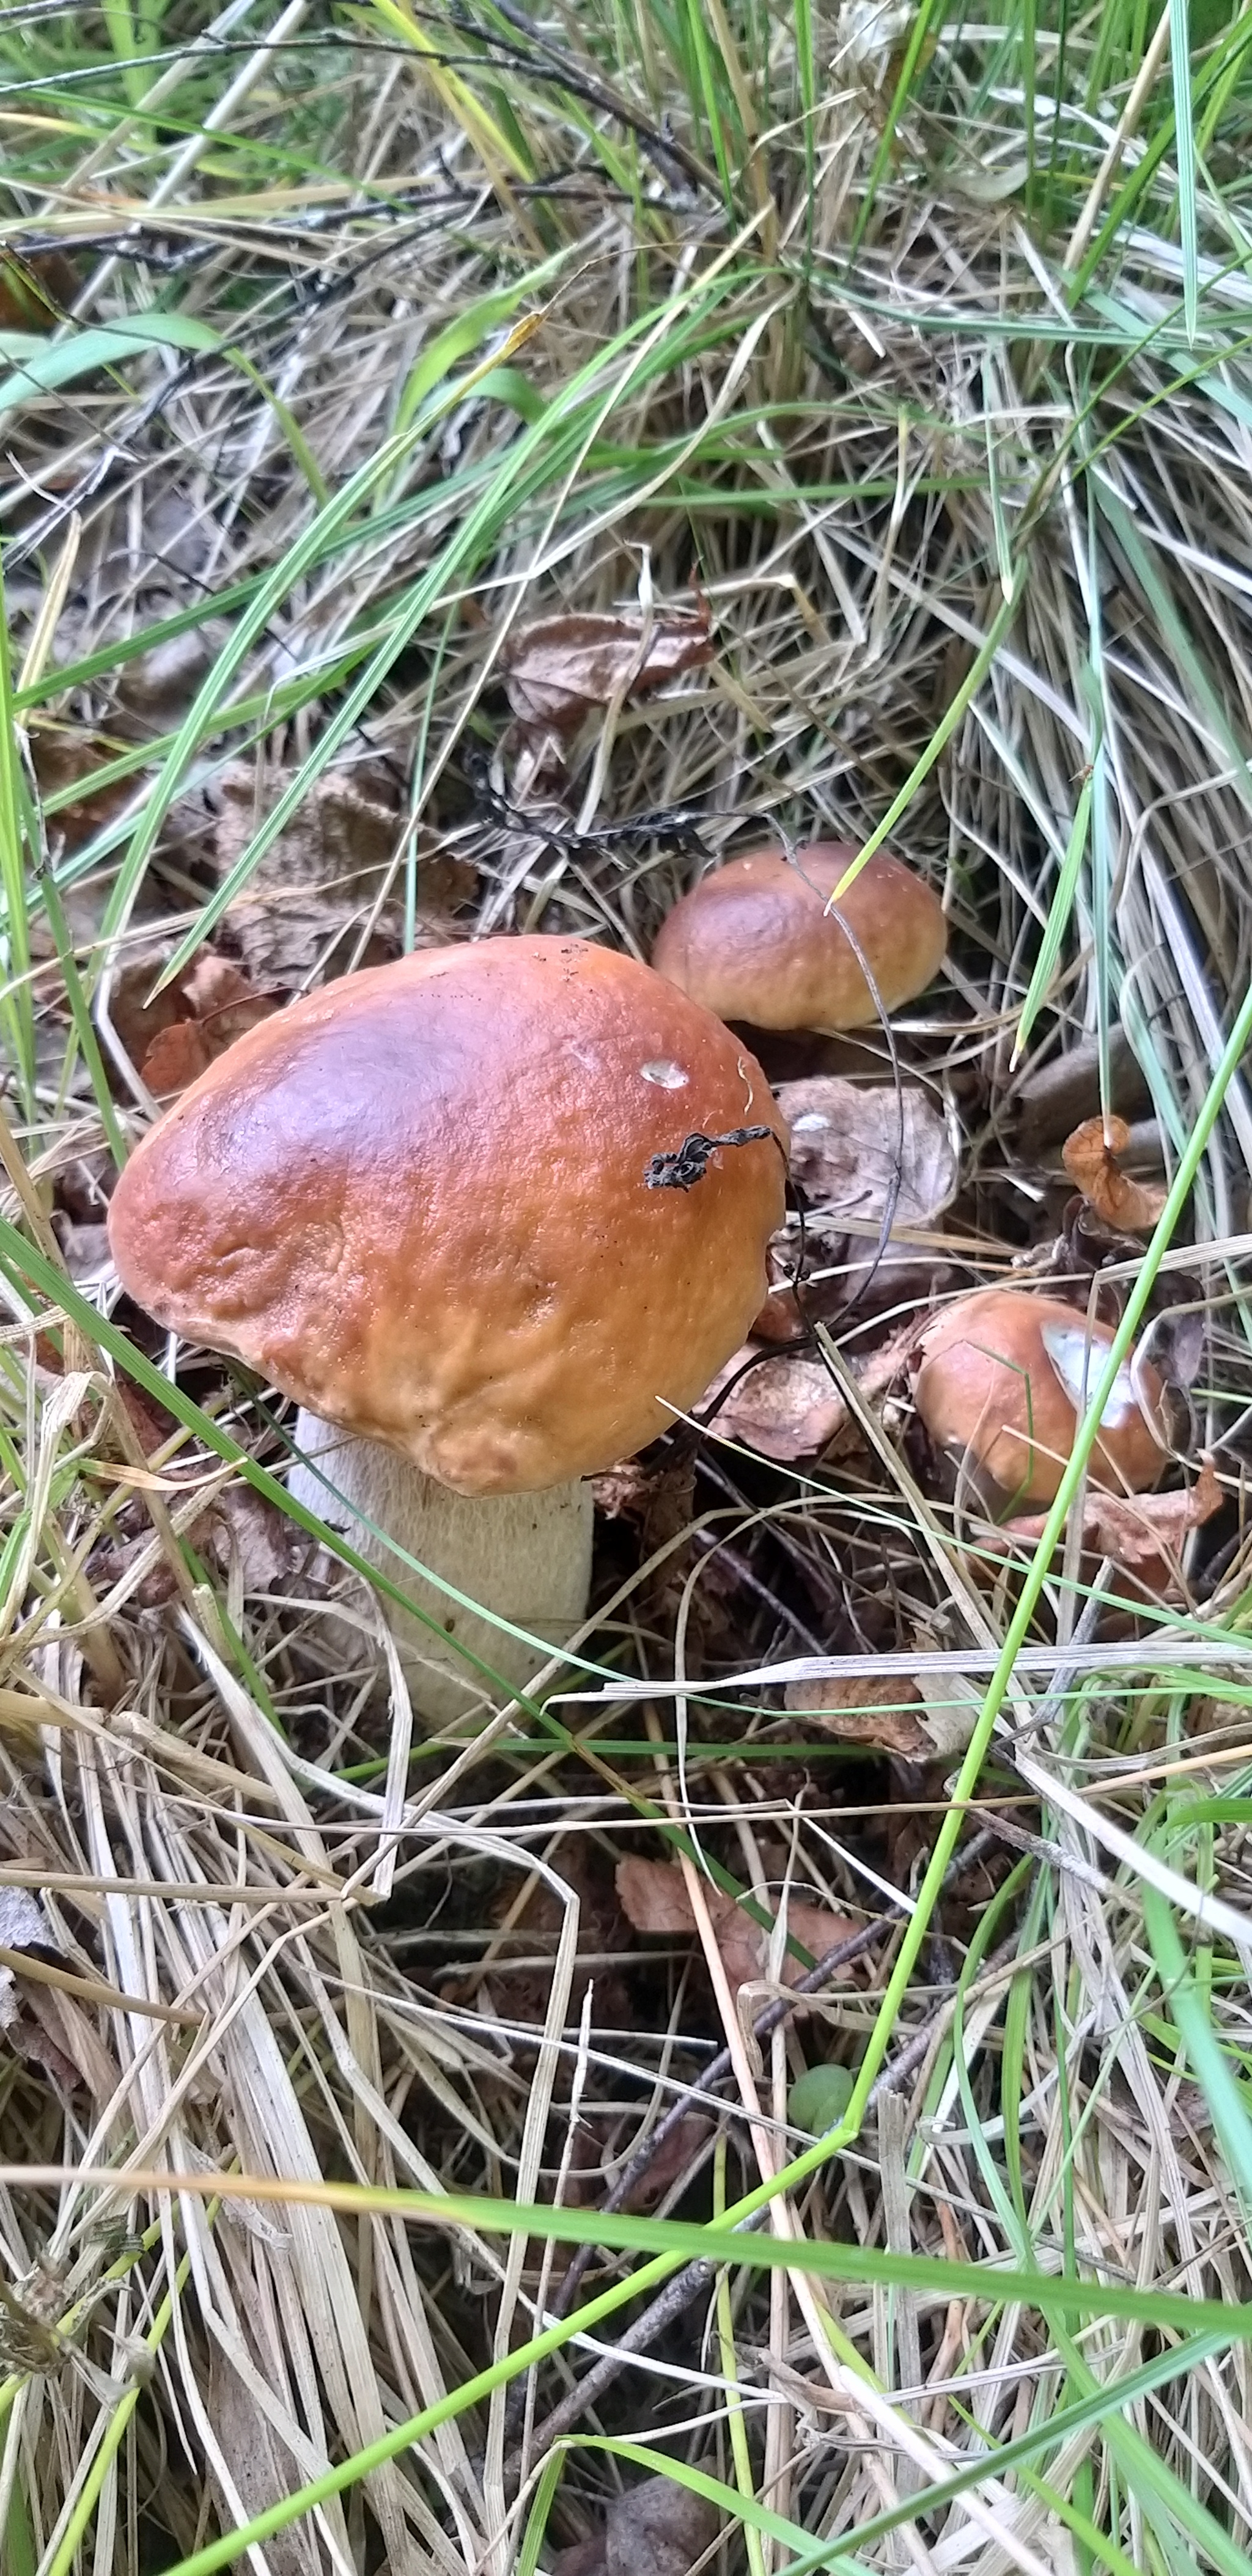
column 889, row 336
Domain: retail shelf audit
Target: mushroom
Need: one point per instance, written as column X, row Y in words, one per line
column 491, row 1214
column 1004, row 1376
column 754, row 940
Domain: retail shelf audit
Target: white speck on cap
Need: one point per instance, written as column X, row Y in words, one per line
column 667, row 1076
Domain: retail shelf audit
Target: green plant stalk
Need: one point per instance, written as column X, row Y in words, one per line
column 80, row 1014
column 939, row 739
column 986, row 2283
column 17, row 1008
column 728, row 2359
column 918, row 1925
column 671, row 2242
column 85, row 2507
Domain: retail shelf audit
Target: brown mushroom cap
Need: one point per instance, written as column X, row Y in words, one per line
column 1004, row 1375
column 754, row 942
column 416, row 1201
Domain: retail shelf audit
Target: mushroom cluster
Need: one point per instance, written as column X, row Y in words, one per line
column 493, row 1215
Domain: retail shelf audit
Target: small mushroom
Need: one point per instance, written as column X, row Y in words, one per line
column 754, row 940
column 489, row 1213
column 1004, row 1377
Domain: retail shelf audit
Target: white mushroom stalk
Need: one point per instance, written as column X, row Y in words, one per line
column 527, row 1556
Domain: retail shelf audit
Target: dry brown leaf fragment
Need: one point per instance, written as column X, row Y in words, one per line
column 891, row 1713
column 175, row 1058
column 877, row 1710
column 861, row 1149
column 1143, row 1532
column 785, row 1406
column 653, row 1896
column 558, row 668
column 1090, row 1158
column 658, row 2528
column 222, row 1004
column 669, row 2164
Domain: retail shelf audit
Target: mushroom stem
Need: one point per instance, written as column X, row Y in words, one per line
column 527, row 1557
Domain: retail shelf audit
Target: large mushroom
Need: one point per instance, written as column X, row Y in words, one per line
column 1003, row 1378
column 754, row 940
column 491, row 1214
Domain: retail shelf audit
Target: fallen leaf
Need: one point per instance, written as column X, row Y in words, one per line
column 583, row 2558
column 558, row 668
column 874, row 1711
column 176, row 1057
column 1143, row 1532
column 859, row 1150
column 250, row 1537
column 889, row 1712
column 658, row 2528
column 341, row 839
column 86, row 1249
column 34, row 292
column 785, row 1406
column 669, row 2164
column 303, row 938
column 218, row 1004
column 1090, row 1158
column 653, row 1896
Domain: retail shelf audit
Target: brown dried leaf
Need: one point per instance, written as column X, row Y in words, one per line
column 1090, row 1158
column 225, row 1002
column 669, row 2164
column 867, row 1711
column 654, row 1898
column 786, row 1406
column 1143, row 1532
column 891, row 1713
column 248, row 1535
column 176, row 1056
column 854, row 1144
column 658, row 2528
column 54, row 2032
column 558, row 668
column 341, row 838
column 222, row 1004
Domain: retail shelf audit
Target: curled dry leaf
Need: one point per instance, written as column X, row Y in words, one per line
column 222, row 1003
column 1143, row 1532
column 860, row 1150
column 1090, row 1158
column 890, row 1713
column 658, row 2528
column 653, row 1896
column 558, row 668
column 785, row 1406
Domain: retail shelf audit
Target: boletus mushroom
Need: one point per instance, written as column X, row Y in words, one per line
column 1003, row 1380
column 490, row 1214
column 755, row 942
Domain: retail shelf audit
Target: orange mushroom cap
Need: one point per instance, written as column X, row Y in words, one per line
column 754, row 941
column 1004, row 1377
column 417, row 1201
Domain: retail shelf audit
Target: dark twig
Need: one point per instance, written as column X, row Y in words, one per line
column 682, row 1170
